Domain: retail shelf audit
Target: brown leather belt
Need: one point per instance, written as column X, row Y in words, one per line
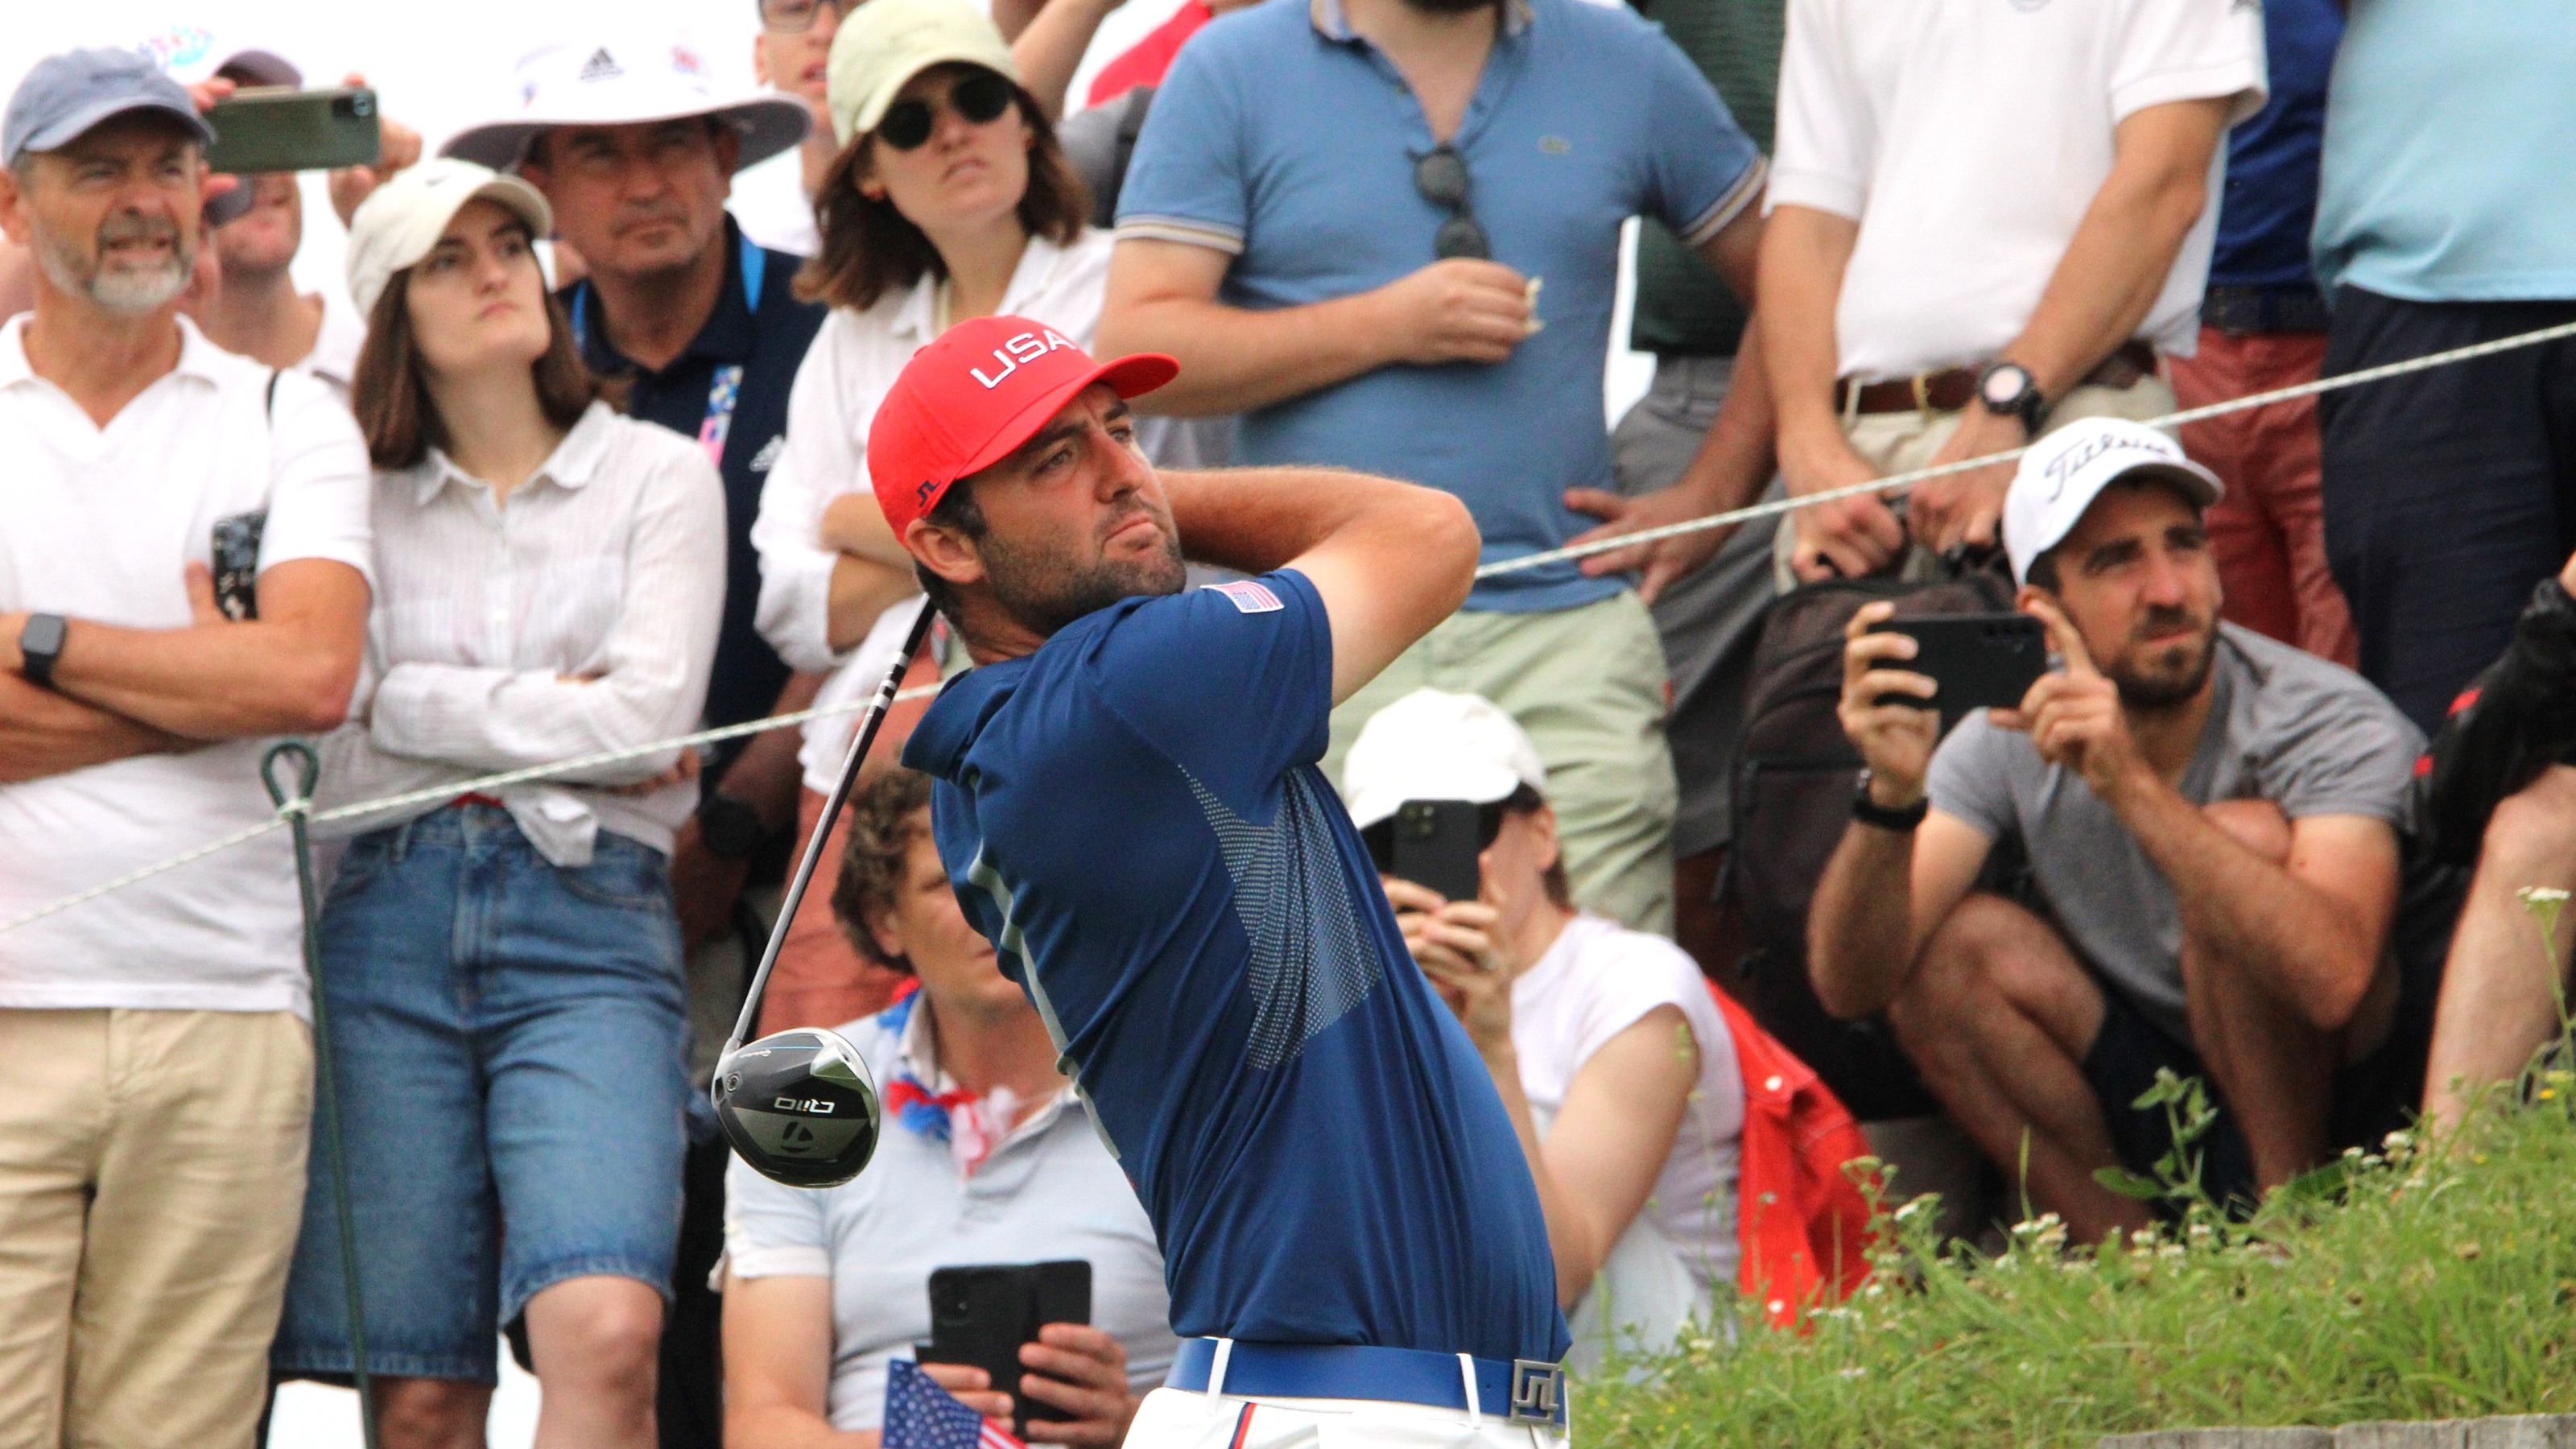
column 1956, row 387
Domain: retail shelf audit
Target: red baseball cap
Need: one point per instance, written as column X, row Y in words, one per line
column 967, row 400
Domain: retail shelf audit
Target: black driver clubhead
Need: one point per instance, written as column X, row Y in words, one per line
column 799, row 1106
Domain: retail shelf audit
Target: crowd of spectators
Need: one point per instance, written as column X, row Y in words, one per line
column 463, row 515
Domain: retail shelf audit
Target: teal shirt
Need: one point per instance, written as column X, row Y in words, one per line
column 2450, row 154
column 1682, row 307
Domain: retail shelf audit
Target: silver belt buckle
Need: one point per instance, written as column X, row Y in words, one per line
column 1538, row 1391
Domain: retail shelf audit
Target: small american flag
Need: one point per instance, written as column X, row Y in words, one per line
column 919, row 1414
column 1249, row 595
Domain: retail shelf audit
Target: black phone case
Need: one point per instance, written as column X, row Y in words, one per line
column 235, row 552
column 1981, row 661
column 273, row 128
column 1436, row 846
column 981, row 1313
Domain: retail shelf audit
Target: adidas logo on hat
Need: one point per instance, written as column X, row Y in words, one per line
column 601, row 66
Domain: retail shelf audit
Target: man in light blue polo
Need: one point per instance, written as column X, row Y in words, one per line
column 1387, row 233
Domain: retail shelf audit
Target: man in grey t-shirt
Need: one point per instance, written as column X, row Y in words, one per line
column 2211, row 822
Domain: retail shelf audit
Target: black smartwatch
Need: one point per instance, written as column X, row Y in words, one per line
column 1870, row 812
column 40, row 643
column 729, row 828
column 2008, row 390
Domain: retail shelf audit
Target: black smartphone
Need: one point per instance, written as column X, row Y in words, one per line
column 1981, row 661
column 1436, row 845
column 981, row 1313
column 281, row 128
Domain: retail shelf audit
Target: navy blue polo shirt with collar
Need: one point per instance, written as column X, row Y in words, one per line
column 1286, row 140
column 766, row 336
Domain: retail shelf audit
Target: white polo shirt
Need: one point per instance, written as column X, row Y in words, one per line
column 1047, row 1190
column 100, row 524
column 1967, row 137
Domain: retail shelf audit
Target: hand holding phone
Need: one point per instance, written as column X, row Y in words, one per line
column 280, row 128
column 1437, row 844
column 982, row 1314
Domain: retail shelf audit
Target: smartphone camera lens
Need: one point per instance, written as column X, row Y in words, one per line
column 357, row 107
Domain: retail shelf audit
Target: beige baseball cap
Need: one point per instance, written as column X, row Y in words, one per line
column 402, row 220
column 1435, row 745
column 883, row 44
column 2066, row 470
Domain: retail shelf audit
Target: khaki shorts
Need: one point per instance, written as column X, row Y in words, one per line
column 1588, row 685
column 1902, row 442
column 151, row 1181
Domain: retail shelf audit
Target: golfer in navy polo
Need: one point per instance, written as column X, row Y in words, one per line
column 1129, row 807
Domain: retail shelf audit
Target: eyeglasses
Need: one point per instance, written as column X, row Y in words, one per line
column 795, row 17
column 979, row 98
column 1440, row 174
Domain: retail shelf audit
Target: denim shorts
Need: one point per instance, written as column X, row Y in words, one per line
column 508, row 1038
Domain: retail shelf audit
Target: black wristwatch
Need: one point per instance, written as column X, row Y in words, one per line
column 729, row 828
column 2008, row 390
column 1870, row 812
column 40, row 643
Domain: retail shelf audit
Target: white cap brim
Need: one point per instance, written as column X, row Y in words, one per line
column 398, row 225
column 767, row 123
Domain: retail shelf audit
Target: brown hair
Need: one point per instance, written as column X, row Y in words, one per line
column 885, row 819
column 1560, row 892
column 390, row 393
column 870, row 248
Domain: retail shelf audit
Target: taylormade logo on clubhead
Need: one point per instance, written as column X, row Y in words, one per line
column 799, row 1106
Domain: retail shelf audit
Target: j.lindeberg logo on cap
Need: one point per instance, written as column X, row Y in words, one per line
column 601, row 66
column 1025, row 347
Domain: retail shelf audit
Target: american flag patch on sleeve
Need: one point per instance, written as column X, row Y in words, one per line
column 1249, row 596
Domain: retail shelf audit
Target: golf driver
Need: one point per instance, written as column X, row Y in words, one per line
column 798, row 1105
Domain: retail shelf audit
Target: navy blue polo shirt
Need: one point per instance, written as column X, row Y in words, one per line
column 766, row 337
column 1134, row 817
column 2270, row 201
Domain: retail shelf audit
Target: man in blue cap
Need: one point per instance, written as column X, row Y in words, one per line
column 183, row 575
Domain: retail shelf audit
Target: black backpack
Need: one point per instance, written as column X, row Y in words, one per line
column 1794, row 777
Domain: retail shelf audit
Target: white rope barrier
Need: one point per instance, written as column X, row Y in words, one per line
column 1887, row 486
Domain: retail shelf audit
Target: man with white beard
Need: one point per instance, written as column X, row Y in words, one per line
column 184, row 561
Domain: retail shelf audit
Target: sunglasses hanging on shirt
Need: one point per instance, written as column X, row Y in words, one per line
column 978, row 98
column 1440, row 175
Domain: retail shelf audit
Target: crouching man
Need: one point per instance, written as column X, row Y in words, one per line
column 2210, row 823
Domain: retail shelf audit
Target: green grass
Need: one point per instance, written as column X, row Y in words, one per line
column 2424, row 1282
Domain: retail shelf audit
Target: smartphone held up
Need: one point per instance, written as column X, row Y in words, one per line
column 281, row 128
column 1979, row 661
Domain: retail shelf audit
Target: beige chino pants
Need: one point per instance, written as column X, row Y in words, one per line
column 151, row 1183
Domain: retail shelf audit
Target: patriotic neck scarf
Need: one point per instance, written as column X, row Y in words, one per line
column 969, row 1124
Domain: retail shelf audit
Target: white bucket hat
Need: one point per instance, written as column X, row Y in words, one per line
column 627, row 82
column 2065, row 471
column 1436, row 745
column 403, row 219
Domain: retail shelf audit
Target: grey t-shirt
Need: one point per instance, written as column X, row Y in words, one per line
column 2311, row 737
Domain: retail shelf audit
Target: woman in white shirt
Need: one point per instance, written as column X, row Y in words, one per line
column 988, row 1157
column 950, row 199
column 1608, row 1051
column 504, row 970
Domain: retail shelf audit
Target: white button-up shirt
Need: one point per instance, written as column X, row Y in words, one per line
column 1048, row 1190
column 577, row 617
column 100, row 523
column 847, row 374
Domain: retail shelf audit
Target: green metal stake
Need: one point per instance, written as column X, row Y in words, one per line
column 297, row 805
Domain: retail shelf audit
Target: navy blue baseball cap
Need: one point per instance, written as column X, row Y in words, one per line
column 67, row 94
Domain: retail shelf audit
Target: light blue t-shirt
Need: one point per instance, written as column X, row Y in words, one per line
column 2450, row 154
column 1282, row 138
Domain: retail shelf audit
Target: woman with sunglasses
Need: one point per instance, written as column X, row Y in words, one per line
column 950, row 199
column 503, row 969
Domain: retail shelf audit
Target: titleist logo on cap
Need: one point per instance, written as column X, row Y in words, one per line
column 1022, row 347
column 2063, row 467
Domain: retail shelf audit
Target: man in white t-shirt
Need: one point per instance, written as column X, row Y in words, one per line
column 1608, row 1049
column 184, row 563
column 1986, row 219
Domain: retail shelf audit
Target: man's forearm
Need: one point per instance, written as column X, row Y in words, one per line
column 1737, row 458
column 44, row 733
column 1235, row 358
column 1860, row 925
column 210, row 682
column 1804, row 254
column 861, row 590
column 2124, row 248
column 2313, row 952
column 1253, row 520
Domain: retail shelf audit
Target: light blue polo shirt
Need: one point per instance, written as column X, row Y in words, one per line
column 2450, row 152
column 1286, row 140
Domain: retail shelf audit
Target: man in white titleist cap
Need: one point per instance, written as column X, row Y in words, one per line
column 2210, row 820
